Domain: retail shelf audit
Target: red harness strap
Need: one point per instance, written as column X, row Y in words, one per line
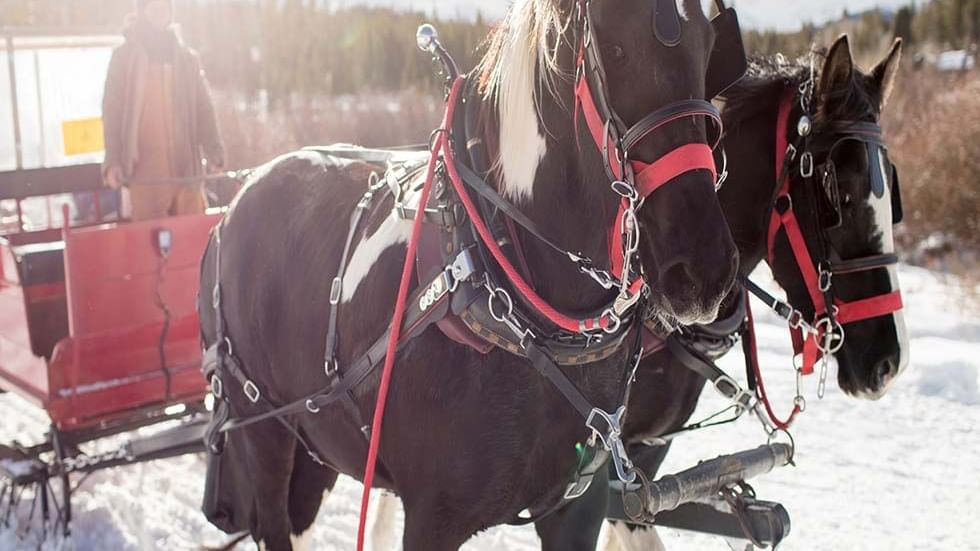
column 649, row 177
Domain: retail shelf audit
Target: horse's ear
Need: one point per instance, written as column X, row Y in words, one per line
column 837, row 69
column 883, row 75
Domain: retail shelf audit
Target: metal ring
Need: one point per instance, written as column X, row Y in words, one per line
column 624, row 190
column 432, row 137
column 231, row 351
column 830, row 327
column 806, row 164
column 217, row 387
column 615, row 322
column 723, row 175
column 312, row 407
column 792, row 442
column 500, row 294
column 800, row 402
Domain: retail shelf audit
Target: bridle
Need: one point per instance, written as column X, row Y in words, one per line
column 814, row 340
column 824, row 335
column 634, row 181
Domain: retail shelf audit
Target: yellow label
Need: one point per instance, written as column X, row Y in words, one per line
column 83, row 136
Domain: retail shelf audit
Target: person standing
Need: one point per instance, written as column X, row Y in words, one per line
column 158, row 117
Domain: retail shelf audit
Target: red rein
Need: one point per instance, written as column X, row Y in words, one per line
column 396, row 321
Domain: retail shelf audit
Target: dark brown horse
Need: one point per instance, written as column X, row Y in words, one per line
column 470, row 439
column 666, row 392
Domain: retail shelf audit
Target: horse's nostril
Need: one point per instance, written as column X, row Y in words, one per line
column 884, row 370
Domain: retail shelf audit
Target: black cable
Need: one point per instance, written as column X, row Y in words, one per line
column 161, row 345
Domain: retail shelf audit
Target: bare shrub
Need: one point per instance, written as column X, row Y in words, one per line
column 933, row 132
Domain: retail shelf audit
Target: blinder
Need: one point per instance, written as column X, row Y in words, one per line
column 728, row 62
column 667, row 22
column 881, row 172
column 898, row 212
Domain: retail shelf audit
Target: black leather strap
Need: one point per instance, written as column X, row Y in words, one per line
column 415, row 323
column 669, row 113
column 475, row 182
column 336, row 289
column 864, row 264
column 550, row 370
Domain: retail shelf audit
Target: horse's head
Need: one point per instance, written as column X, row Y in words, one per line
column 591, row 91
column 855, row 201
column 656, row 53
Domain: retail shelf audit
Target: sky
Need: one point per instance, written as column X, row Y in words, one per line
column 782, row 15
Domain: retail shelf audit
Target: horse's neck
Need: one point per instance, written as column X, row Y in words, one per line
column 577, row 221
column 747, row 195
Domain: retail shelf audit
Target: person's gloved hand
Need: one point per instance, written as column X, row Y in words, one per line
column 114, row 177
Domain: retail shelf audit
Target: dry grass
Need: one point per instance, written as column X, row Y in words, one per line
column 933, row 132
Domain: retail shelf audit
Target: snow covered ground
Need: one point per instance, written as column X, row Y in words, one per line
column 899, row 474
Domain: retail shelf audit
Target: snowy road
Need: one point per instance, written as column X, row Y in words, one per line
column 899, row 474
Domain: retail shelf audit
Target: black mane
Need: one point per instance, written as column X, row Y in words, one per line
column 765, row 79
column 768, row 76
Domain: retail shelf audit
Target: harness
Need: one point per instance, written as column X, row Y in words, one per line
column 469, row 281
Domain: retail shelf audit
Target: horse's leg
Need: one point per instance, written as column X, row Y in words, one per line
column 309, row 486
column 432, row 527
column 627, row 537
column 382, row 522
column 577, row 525
column 270, row 448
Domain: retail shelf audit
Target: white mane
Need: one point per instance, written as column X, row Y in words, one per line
column 522, row 60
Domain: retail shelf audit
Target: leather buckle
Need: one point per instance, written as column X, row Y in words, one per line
column 251, row 392
column 336, row 289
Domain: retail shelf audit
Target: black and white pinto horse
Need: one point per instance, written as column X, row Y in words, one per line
column 845, row 213
column 471, row 439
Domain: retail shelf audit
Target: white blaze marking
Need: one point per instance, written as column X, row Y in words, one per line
column 682, row 9
column 393, row 231
column 522, row 146
column 882, row 207
column 382, row 534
